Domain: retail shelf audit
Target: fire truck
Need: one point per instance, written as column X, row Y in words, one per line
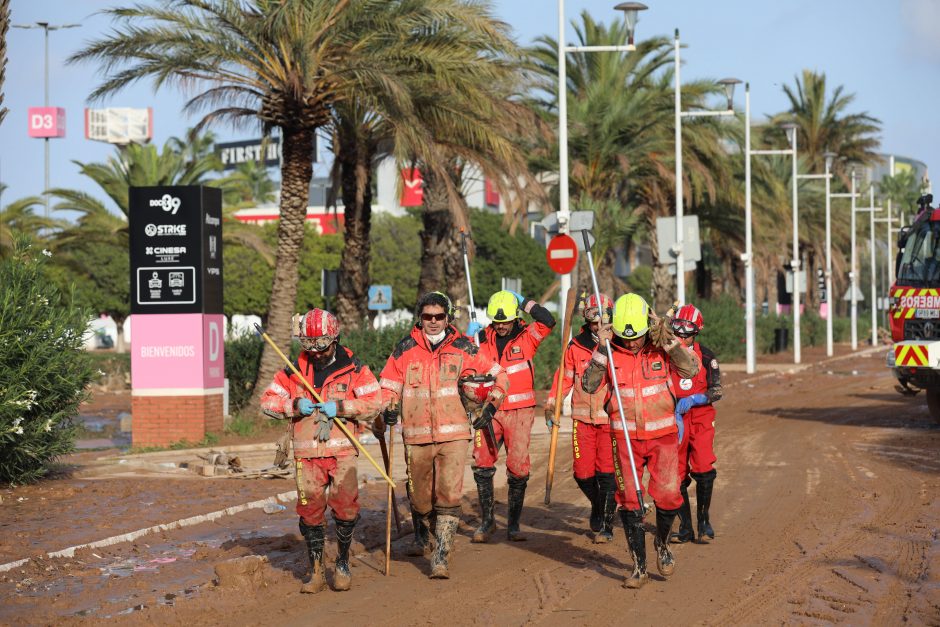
column 914, row 314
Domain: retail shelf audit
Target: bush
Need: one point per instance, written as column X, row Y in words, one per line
column 44, row 369
column 242, row 358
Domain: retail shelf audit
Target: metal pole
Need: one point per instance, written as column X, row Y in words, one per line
column 748, row 241
column 795, row 262
column 853, row 274
column 680, row 257
column 829, row 308
column 871, row 248
column 890, row 236
column 564, row 213
column 45, row 100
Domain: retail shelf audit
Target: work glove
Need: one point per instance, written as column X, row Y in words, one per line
column 304, row 406
column 605, row 333
column 485, row 417
column 473, row 328
column 328, row 408
column 378, row 426
column 390, row 416
column 519, row 297
column 687, row 403
column 323, row 429
column 680, row 423
column 661, row 332
column 550, row 417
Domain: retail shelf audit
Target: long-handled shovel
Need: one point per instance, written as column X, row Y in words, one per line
column 569, row 312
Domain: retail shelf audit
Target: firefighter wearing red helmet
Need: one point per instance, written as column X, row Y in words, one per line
column 324, row 458
column 591, row 449
column 695, row 403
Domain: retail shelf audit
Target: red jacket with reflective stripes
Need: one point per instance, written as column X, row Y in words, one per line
column 707, row 382
column 587, row 408
column 350, row 383
column 425, row 381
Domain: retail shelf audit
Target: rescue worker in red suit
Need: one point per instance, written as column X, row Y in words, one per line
column 324, row 458
column 512, row 343
column 696, row 398
column 591, row 449
column 644, row 376
column 422, row 374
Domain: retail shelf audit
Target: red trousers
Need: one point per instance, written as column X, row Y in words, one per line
column 660, row 456
column 323, row 481
column 696, row 452
column 591, row 449
column 514, row 428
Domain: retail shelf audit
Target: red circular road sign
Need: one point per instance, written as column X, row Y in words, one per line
column 562, row 254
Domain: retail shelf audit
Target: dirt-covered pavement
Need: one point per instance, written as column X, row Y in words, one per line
column 826, row 510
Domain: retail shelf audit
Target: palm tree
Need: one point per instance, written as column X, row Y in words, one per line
column 903, row 189
column 4, row 27
column 19, row 217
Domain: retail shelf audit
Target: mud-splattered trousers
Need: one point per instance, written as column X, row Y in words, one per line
column 697, row 449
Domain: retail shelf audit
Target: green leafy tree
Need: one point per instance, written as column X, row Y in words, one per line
column 247, row 282
column 500, row 254
column 396, row 243
column 903, row 189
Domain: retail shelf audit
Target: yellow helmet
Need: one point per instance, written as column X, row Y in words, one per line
column 502, row 307
column 631, row 316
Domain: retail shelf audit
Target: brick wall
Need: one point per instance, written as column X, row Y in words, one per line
column 163, row 420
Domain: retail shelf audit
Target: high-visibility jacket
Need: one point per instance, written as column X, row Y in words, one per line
column 425, row 380
column 518, row 353
column 646, row 389
column 707, row 382
column 348, row 382
column 587, row 408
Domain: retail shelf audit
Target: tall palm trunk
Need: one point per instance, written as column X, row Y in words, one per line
column 441, row 249
column 355, row 159
column 296, row 171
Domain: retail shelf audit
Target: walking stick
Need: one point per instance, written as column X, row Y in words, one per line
column 550, row 476
column 338, row 423
column 386, row 459
column 613, row 378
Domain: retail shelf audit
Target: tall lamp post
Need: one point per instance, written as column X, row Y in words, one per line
column 790, row 129
column 630, row 15
column 728, row 84
column 46, row 27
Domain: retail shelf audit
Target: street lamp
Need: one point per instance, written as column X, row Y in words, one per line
column 630, row 12
column 829, row 156
column 728, row 84
column 46, row 26
column 790, row 129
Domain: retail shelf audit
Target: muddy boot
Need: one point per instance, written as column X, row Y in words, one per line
column 445, row 528
column 590, row 489
column 704, row 482
column 421, row 545
column 606, row 489
column 344, row 535
column 484, row 479
column 636, row 541
column 685, row 533
column 665, row 560
column 516, row 498
column 314, row 538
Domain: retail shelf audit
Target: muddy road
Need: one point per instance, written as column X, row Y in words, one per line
column 826, row 510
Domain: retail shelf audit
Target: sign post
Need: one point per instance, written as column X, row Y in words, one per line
column 178, row 349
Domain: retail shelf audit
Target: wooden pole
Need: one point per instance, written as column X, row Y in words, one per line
column 559, row 377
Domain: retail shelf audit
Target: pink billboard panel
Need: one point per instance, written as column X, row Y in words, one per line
column 213, row 347
column 177, row 351
column 46, row 122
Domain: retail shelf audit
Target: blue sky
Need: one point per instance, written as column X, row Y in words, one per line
column 887, row 53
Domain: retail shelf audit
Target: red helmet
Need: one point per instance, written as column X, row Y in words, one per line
column 688, row 321
column 589, row 308
column 318, row 329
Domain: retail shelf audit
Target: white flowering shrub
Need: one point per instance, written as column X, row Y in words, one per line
column 44, row 370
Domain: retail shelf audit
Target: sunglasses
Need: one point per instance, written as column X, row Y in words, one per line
column 317, row 344
column 684, row 328
column 428, row 317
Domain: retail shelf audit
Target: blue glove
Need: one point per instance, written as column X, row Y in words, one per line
column 687, row 403
column 305, row 406
column 328, row 408
column 473, row 328
column 681, row 424
column 519, row 297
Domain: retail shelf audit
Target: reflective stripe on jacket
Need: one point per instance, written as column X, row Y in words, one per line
column 585, row 407
column 517, row 360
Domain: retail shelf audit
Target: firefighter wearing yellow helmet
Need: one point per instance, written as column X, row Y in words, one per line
column 646, row 354
column 512, row 343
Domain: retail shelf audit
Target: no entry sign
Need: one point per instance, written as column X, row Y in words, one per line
column 562, row 254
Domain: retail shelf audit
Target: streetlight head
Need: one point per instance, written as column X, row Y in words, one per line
column 829, row 156
column 630, row 11
column 728, row 84
column 790, row 129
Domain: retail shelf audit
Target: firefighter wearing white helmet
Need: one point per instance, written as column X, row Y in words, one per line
column 512, row 343
column 645, row 354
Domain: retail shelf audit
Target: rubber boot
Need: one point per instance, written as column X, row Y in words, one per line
column 484, row 480
column 516, row 498
column 421, row 545
column 636, row 541
column 685, row 533
column 591, row 490
column 665, row 560
column 313, row 535
column 344, row 534
column 704, row 483
column 445, row 528
column 607, row 488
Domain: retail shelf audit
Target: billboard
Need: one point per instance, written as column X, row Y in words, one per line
column 46, row 122
column 267, row 152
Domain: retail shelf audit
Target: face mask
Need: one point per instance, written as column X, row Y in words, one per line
column 434, row 339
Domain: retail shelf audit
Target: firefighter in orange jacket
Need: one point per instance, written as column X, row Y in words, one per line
column 511, row 343
column 325, row 459
column 423, row 374
column 644, row 377
column 591, row 449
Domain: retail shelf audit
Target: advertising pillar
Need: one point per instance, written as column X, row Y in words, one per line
column 178, row 348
